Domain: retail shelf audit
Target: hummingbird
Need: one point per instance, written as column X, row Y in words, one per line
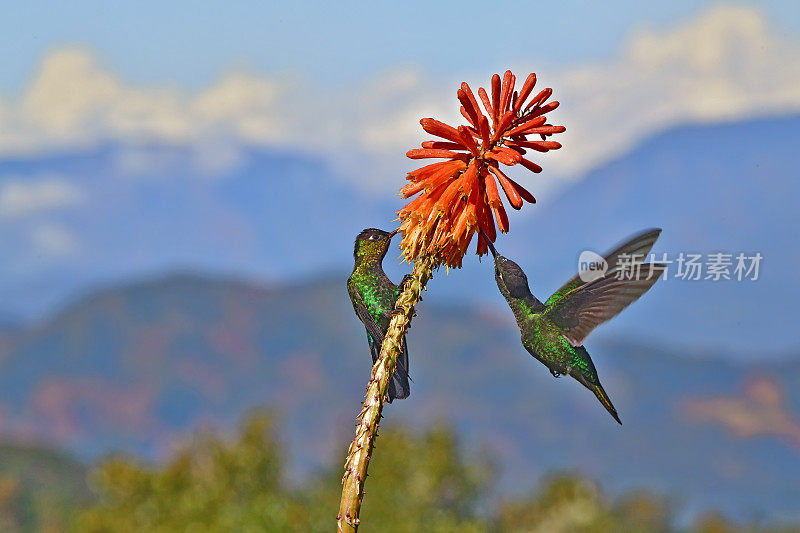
column 373, row 296
column 553, row 332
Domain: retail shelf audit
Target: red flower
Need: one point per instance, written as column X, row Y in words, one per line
column 459, row 195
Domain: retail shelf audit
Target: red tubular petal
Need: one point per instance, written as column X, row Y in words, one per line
column 527, row 87
column 495, row 99
column 505, row 91
column 485, row 131
column 442, row 145
column 470, row 115
column 445, row 201
column 472, row 102
column 443, row 175
column 491, row 189
column 411, row 189
column 468, row 141
column 513, row 196
column 423, row 153
column 502, row 125
column 533, row 167
column 469, row 180
column 502, row 218
column 485, row 221
column 544, row 109
column 413, row 206
column 465, row 114
column 486, row 103
column 472, row 201
column 440, row 129
column 482, row 249
column 539, row 146
column 523, row 192
column 427, row 170
column 461, row 225
column 487, row 224
column 522, row 128
column 543, row 95
column 505, row 155
column 547, row 130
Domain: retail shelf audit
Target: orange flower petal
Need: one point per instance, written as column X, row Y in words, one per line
column 423, row 153
column 539, row 99
column 539, row 146
column 445, row 202
column 469, row 112
column 468, row 141
column 472, row 108
column 530, row 165
column 505, row 155
column 426, row 171
column 487, row 105
column 527, row 87
column 523, row 128
column 492, row 195
column 496, row 88
column 440, row 129
column 505, row 91
column 513, row 196
column 442, row 145
column 485, row 132
column 502, row 218
column 544, row 109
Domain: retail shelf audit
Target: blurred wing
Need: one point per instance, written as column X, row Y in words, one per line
column 639, row 246
column 586, row 307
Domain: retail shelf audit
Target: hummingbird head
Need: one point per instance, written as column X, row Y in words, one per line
column 510, row 278
column 372, row 245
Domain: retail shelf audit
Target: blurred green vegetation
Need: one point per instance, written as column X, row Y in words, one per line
column 418, row 482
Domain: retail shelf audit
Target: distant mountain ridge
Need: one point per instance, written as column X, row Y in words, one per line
column 132, row 368
column 135, row 210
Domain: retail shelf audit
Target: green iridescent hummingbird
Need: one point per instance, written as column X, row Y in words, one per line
column 373, row 296
column 553, row 332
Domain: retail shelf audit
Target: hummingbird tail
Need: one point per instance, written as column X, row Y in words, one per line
column 597, row 389
column 399, row 386
column 605, row 400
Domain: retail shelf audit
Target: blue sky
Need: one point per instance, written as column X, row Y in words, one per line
column 350, row 84
column 180, row 42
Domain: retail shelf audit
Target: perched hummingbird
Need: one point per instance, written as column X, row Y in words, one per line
column 553, row 332
column 374, row 296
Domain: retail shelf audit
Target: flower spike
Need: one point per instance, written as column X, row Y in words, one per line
column 460, row 196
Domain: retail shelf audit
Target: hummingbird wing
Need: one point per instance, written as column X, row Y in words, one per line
column 373, row 328
column 638, row 246
column 399, row 387
column 586, row 307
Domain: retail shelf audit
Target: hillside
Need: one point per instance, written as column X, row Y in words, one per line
column 133, row 367
column 121, row 212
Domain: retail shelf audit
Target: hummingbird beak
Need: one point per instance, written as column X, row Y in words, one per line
column 488, row 243
column 392, row 234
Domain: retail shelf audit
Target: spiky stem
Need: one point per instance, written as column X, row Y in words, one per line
column 355, row 467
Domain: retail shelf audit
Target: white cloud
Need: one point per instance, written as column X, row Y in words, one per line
column 25, row 196
column 726, row 63
column 53, row 240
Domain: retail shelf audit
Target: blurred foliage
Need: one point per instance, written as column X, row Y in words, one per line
column 418, row 482
column 39, row 488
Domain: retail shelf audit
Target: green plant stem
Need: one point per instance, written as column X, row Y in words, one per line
column 358, row 456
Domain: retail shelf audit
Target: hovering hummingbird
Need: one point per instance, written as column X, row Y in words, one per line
column 553, row 332
column 373, row 296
